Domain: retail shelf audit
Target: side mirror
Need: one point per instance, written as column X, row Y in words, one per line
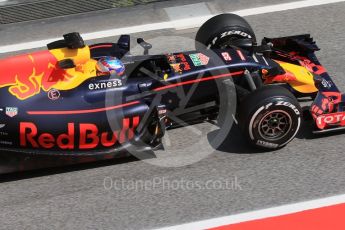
column 147, row 46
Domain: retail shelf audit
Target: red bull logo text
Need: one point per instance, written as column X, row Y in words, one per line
column 89, row 136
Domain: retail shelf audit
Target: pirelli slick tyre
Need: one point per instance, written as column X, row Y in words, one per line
column 270, row 117
column 223, row 30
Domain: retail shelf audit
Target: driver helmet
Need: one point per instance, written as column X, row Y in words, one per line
column 110, row 66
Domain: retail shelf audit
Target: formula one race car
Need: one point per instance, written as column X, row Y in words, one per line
column 59, row 101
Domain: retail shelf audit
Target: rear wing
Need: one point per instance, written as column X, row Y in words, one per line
column 70, row 41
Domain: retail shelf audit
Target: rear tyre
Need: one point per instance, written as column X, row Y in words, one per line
column 224, row 30
column 270, row 117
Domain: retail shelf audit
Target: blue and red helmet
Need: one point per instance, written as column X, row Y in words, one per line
column 110, row 66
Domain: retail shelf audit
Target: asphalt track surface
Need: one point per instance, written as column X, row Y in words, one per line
column 82, row 197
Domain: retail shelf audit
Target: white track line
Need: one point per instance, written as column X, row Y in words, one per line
column 260, row 214
column 175, row 24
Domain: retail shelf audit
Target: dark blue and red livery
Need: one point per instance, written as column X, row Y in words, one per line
column 54, row 102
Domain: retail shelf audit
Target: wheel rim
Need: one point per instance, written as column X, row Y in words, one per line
column 275, row 125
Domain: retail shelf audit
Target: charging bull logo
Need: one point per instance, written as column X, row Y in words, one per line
column 89, row 136
column 26, row 75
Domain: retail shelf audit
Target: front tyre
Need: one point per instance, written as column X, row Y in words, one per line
column 270, row 117
column 225, row 30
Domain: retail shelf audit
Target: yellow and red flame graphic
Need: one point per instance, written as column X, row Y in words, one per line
column 26, row 75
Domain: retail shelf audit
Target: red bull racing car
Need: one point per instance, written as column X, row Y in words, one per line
column 59, row 102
